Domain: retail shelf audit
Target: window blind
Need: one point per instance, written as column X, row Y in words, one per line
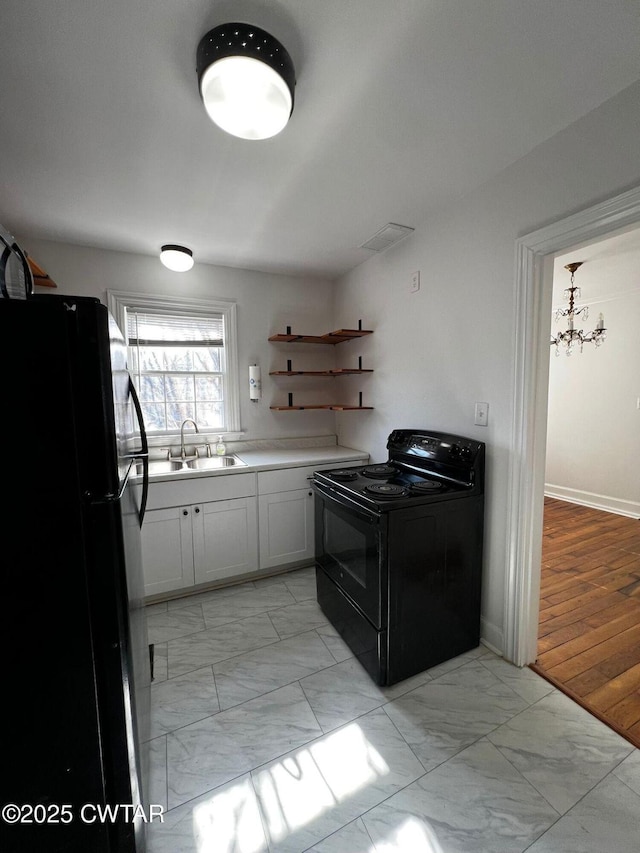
column 148, row 329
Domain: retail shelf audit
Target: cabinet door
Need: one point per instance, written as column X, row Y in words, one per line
column 167, row 549
column 225, row 540
column 286, row 528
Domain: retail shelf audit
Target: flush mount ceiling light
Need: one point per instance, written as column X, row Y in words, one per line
column 246, row 79
column 176, row 258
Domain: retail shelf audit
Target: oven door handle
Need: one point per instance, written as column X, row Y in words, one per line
column 349, row 505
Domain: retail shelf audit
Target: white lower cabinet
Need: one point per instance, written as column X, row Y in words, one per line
column 286, row 514
column 286, row 527
column 167, row 549
column 224, row 539
column 195, row 543
column 207, row 529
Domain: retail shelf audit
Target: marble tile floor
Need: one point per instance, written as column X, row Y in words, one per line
column 268, row 736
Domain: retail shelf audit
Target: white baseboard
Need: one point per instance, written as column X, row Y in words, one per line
column 491, row 636
column 604, row 502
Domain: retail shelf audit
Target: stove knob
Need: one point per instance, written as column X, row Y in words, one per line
column 454, row 450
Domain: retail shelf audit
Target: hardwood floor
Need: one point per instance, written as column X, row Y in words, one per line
column 589, row 629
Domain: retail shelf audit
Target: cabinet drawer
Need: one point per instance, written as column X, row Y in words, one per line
column 289, row 479
column 201, row 489
column 284, row 479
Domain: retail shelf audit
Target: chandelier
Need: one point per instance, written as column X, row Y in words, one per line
column 574, row 337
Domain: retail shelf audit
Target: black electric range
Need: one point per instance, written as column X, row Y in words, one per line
column 399, row 552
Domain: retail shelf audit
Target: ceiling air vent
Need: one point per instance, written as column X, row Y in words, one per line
column 386, row 237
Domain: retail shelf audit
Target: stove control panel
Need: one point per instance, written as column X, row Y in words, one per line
column 434, row 446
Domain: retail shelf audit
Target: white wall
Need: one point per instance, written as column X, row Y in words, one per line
column 440, row 350
column 266, row 305
column 593, row 431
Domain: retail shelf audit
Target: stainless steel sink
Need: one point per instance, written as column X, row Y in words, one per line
column 202, row 463
column 205, row 462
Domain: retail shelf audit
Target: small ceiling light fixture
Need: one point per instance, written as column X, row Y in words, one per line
column 572, row 336
column 246, row 80
column 176, row 258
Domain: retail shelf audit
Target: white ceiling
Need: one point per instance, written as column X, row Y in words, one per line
column 401, row 106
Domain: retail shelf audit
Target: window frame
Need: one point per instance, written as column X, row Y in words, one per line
column 119, row 302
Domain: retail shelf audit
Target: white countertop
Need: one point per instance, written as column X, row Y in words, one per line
column 267, row 460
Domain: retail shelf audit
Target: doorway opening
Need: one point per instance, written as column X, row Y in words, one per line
column 589, row 620
column 534, row 273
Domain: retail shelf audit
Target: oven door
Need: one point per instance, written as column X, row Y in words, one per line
column 350, row 548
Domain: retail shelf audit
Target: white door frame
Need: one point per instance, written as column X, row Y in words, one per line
column 534, row 274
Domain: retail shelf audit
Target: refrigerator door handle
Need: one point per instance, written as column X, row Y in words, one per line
column 110, row 497
column 123, row 485
column 28, row 276
column 3, row 263
column 144, row 451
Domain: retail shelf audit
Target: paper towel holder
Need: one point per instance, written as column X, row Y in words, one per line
column 255, row 383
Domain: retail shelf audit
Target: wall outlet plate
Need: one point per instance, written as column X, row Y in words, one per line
column 415, row 282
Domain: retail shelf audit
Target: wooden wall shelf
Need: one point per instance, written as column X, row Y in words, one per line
column 340, row 371
column 337, row 337
column 40, row 277
column 333, row 407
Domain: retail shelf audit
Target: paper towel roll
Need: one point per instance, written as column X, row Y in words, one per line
column 255, row 382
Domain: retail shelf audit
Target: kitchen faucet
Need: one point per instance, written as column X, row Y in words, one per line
column 183, row 453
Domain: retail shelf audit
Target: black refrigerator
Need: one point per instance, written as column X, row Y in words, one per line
column 75, row 655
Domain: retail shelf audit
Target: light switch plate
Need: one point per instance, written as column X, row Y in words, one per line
column 482, row 414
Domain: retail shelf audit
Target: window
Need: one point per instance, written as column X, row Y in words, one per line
column 181, row 356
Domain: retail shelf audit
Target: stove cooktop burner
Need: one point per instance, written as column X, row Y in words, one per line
column 422, row 468
column 386, row 490
column 379, row 471
column 426, row 487
column 344, row 475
